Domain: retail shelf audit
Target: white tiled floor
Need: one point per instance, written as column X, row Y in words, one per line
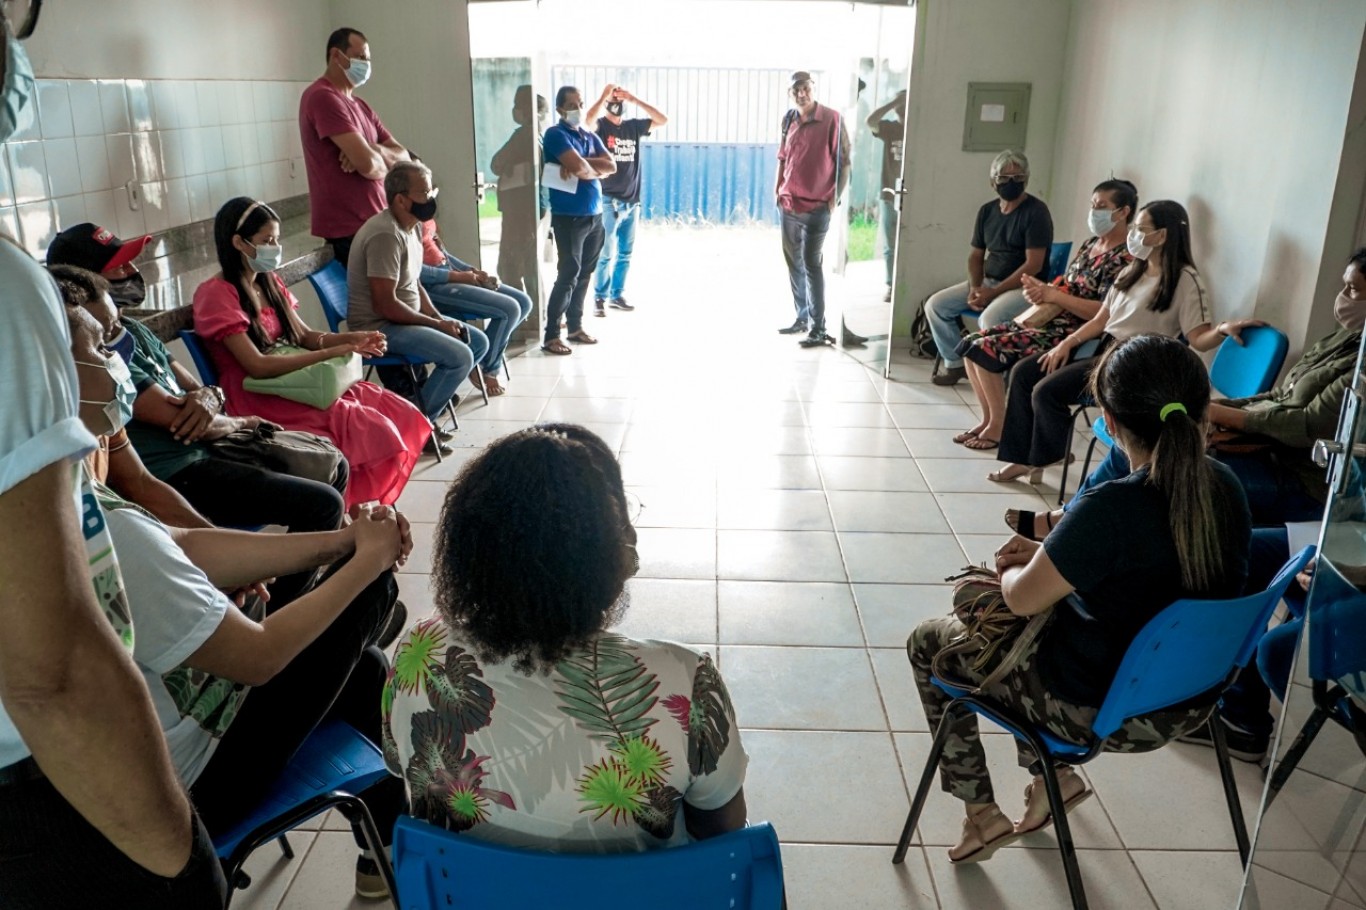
column 800, row 514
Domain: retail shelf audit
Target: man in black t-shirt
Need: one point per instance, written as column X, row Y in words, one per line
column 892, row 132
column 620, row 191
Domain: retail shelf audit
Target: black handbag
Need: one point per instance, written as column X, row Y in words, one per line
column 291, row 452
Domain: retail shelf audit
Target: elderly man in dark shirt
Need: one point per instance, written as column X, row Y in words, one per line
column 813, row 170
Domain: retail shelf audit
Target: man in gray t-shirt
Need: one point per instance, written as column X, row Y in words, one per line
column 385, row 295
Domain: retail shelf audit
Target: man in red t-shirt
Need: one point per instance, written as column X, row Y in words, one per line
column 347, row 150
column 813, row 170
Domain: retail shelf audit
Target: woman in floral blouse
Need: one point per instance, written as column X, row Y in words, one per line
column 988, row 354
column 515, row 715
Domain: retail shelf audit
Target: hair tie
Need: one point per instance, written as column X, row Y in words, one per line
column 1169, row 408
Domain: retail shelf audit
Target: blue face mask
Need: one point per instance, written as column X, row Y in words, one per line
column 268, row 257
column 123, row 345
column 17, row 108
column 358, row 72
column 118, row 410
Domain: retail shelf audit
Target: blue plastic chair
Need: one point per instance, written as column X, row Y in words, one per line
column 1058, row 256
column 195, row 345
column 436, row 868
column 1250, row 368
column 332, row 765
column 1191, row 649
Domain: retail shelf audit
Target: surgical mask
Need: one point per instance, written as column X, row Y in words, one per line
column 123, row 344
column 128, row 291
column 17, row 108
column 573, row 118
column 1010, row 190
column 1101, row 221
column 423, row 211
column 1349, row 312
column 358, row 72
column 1135, row 244
column 615, row 108
column 118, row 410
column 268, row 257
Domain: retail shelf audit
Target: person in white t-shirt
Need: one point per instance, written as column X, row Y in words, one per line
column 1160, row 292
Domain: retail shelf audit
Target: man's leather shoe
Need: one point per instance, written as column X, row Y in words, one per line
column 796, row 328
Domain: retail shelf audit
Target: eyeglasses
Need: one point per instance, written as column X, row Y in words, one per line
column 633, row 507
column 432, row 194
column 21, row 16
column 1011, row 178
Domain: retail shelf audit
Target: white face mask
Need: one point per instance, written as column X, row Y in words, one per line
column 573, row 118
column 1135, row 244
column 358, row 72
column 1101, row 221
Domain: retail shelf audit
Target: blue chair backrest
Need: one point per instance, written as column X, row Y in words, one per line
column 329, row 282
column 334, row 757
column 1250, row 368
column 437, row 869
column 1337, row 628
column 1190, row 648
column 1057, row 259
column 195, row 345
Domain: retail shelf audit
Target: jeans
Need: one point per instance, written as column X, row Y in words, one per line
column 51, row 858
column 803, row 237
column 886, row 219
column 618, row 229
column 340, row 675
column 451, row 360
column 944, row 307
column 579, row 240
column 505, row 309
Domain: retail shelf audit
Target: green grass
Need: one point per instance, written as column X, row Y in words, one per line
column 862, row 237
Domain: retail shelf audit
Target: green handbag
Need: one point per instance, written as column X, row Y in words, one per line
column 319, row 385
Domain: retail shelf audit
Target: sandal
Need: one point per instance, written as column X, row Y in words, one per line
column 582, row 337
column 1029, row 475
column 978, row 846
column 965, row 436
column 556, row 347
column 1037, row 815
column 981, row 444
column 1020, row 519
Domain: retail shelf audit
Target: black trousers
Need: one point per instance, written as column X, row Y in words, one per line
column 578, row 239
column 1039, row 410
column 234, row 494
column 340, row 676
column 341, row 248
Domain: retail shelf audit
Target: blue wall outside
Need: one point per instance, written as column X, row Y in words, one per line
column 716, row 183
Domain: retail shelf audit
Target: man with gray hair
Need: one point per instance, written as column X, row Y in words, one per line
column 1010, row 239
column 385, row 293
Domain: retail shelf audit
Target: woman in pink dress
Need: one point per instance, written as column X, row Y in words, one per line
column 246, row 309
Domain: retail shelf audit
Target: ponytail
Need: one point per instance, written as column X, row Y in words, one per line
column 1181, row 471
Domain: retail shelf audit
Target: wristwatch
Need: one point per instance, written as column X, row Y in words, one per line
column 218, row 393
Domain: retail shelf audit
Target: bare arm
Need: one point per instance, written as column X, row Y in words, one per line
column 129, row 477
column 1031, row 586
column 572, row 164
column 976, row 265
column 591, row 115
column 232, row 559
column 878, row 113
column 72, row 690
column 160, row 408
column 264, row 366
column 387, row 306
column 1033, row 264
column 602, row 165
column 656, row 118
column 843, row 165
column 187, row 380
column 362, row 157
column 391, row 152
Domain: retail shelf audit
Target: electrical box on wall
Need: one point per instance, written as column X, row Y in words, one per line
column 997, row 116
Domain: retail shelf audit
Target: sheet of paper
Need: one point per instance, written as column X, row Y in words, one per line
column 993, row 113
column 551, row 178
column 1302, row 534
column 518, row 177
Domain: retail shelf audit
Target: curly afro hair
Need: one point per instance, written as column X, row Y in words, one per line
column 534, row 546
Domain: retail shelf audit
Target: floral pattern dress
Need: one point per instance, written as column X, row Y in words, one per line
column 1089, row 275
column 597, row 755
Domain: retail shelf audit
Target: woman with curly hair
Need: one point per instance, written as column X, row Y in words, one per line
column 516, row 715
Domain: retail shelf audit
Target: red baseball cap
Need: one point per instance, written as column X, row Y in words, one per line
column 92, row 247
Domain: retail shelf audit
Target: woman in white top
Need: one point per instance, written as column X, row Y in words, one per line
column 515, row 715
column 1160, row 293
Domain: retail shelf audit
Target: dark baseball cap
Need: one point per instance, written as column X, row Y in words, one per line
column 799, row 77
column 92, row 247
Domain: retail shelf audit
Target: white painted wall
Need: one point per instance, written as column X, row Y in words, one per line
column 1237, row 109
column 957, row 42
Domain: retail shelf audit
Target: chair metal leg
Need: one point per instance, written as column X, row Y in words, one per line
column 1061, row 826
column 363, row 823
column 1287, row 765
column 1235, row 806
column 285, row 848
column 1066, row 463
column 483, row 390
column 918, row 803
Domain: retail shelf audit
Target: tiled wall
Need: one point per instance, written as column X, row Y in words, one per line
column 143, row 156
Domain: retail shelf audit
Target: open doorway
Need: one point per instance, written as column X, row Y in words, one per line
column 707, row 245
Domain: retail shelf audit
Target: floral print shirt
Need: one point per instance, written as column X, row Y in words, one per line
column 596, row 755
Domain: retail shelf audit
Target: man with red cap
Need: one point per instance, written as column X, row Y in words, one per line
column 96, row 249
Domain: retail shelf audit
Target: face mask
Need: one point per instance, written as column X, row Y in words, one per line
column 128, row 291
column 119, row 410
column 1350, row 314
column 1135, row 244
column 1101, row 221
column 268, row 257
column 615, row 108
column 1010, row 190
column 17, row 108
column 573, row 118
column 358, row 72
column 123, row 345
column 423, row 211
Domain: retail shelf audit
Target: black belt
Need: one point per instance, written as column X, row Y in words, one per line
column 21, row 772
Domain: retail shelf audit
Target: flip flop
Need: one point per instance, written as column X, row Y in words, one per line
column 1068, row 805
column 981, row 444
column 557, row 347
column 965, row 436
column 582, row 337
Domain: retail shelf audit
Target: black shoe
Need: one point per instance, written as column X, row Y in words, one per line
column 950, row 376
column 597, row 307
column 445, row 434
column 887, row 297
column 435, row 444
column 398, row 621
column 815, row 339
column 851, row 340
column 795, row 329
column 1244, row 746
column 619, row 303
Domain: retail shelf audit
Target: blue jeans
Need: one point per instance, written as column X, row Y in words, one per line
column 505, row 308
column 944, row 307
column 886, row 219
column 803, row 237
column 451, row 360
column 619, row 230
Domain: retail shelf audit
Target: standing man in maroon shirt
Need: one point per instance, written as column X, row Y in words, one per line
column 813, row 170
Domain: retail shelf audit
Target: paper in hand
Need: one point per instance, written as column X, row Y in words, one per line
column 551, row 178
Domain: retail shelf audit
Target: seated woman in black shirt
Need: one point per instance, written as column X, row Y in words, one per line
column 1177, row 527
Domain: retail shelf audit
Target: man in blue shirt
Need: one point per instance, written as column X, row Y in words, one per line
column 575, row 216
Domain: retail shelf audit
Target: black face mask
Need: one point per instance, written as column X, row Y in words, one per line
column 1010, row 190
column 424, row 211
column 615, row 108
column 129, row 291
